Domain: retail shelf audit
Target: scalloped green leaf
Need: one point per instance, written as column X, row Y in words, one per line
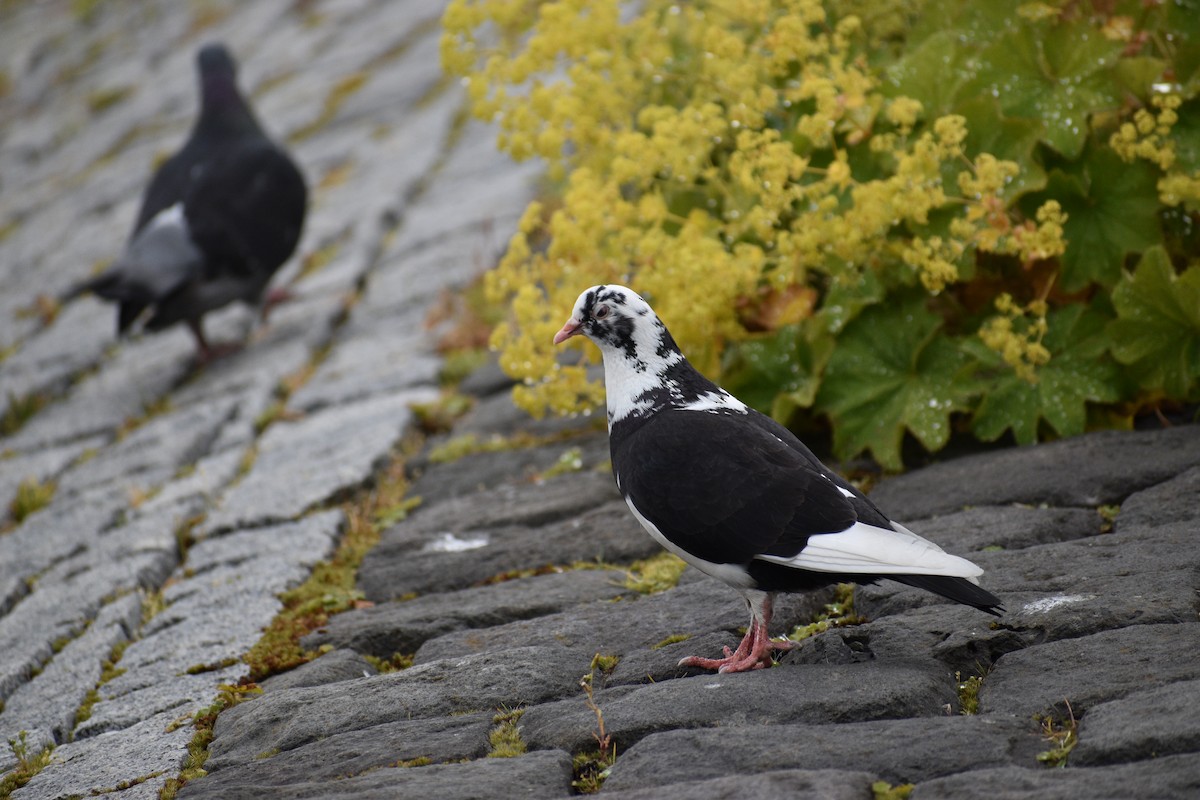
column 1079, row 372
column 932, row 72
column 1183, row 25
column 1112, row 210
column 890, row 373
column 988, row 131
column 1157, row 330
column 1059, row 74
column 779, row 372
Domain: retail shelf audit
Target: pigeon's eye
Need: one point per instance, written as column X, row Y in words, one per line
column 601, row 312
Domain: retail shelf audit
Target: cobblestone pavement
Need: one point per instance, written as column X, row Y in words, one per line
column 186, row 500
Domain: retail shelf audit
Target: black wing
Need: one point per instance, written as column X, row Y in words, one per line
column 246, row 211
column 724, row 488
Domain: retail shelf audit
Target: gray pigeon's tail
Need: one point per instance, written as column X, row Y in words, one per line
column 159, row 260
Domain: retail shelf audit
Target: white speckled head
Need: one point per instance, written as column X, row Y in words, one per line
column 643, row 367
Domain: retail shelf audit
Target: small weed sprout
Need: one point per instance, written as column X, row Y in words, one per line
column 1062, row 736
column 592, row 768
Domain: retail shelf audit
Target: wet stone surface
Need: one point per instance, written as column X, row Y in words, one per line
column 186, row 500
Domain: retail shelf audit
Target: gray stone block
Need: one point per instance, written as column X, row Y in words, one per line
column 150, row 752
column 1143, row 726
column 847, row 693
column 815, row 784
column 1090, row 670
column 929, row 747
column 1162, row 779
column 353, row 752
column 1083, row 471
column 332, row 667
column 402, row 627
column 303, row 463
column 291, row 718
column 617, row 628
column 545, row 774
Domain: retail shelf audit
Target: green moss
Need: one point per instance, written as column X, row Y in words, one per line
column 419, row 761
column 882, row 790
column 440, row 415
column 672, row 639
column 461, row 362
column 197, row 669
column 20, row 410
column 330, row 587
column 839, row 613
column 197, row 749
column 591, row 768
column 570, row 461
column 270, row 414
column 968, row 693
column 655, row 574
column 264, row 755
column 104, row 99
column 32, row 495
column 1108, row 517
column 1062, row 736
column 397, row 662
column 28, row 765
column 342, row 91
column 505, row 737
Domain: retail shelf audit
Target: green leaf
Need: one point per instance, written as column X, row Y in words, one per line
column 891, row 372
column 1157, row 330
column 1059, row 74
column 1183, row 26
column 1112, row 210
column 932, row 73
column 1079, row 372
column 778, row 372
column 988, row 131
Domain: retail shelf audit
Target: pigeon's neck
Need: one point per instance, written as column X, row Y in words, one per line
column 648, row 373
column 223, row 111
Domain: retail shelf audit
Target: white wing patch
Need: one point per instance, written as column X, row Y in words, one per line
column 716, row 401
column 864, row 548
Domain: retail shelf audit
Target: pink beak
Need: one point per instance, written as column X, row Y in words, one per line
column 572, row 328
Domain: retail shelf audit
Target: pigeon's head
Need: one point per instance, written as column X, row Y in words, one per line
column 214, row 60
column 610, row 316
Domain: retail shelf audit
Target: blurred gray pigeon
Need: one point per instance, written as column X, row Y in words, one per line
column 217, row 220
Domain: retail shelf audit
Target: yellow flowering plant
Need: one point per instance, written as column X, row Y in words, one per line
column 902, row 215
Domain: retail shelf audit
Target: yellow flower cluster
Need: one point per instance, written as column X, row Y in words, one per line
column 1016, row 334
column 1148, row 137
column 704, row 150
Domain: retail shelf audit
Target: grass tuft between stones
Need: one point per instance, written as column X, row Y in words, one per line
column 204, row 722
column 882, row 790
column 1061, row 734
column 28, row 764
column 331, row 586
column 505, row 739
column 655, row 574
column 839, row 613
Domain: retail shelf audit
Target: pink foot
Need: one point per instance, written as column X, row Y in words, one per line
column 754, row 651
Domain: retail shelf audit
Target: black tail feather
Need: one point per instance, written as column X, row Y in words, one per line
column 959, row 590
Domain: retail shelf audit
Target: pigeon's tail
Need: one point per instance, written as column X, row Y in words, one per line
column 960, row 590
column 131, row 298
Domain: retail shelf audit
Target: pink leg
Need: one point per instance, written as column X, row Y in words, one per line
column 275, row 297
column 206, row 352
column 754, row 651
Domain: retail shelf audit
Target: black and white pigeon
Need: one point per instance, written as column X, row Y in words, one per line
column 736, row 494
column 217, row 220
